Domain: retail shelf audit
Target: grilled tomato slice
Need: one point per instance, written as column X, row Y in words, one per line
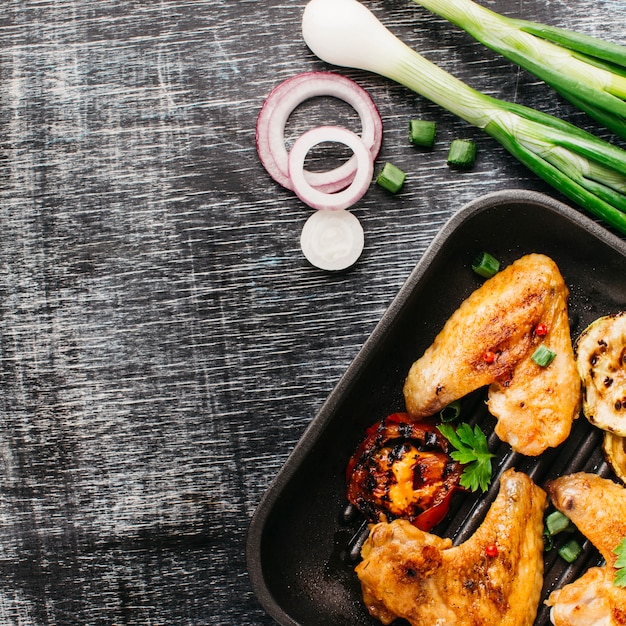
column 403, row 469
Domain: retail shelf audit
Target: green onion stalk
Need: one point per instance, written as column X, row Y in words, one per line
column 586, row 169
column 587, row 71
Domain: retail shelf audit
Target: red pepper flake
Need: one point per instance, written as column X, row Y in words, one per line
column 541, row 330
column 489, row 356
column 491, row 550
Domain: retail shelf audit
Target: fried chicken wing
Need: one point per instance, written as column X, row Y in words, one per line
column 508, row 317
column 597, row 506
column 409, row 573
column 591, row 600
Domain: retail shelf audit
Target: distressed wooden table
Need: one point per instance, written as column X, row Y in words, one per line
column 164, row 343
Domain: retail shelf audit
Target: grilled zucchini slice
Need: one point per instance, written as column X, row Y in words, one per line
column 614, row 448
column 601, row 361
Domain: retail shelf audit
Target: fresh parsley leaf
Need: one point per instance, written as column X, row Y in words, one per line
column 471, row 450
column 620, row 578
column 620, row 564
column 620, row 551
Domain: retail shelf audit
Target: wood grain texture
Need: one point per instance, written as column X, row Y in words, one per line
column 163, row 343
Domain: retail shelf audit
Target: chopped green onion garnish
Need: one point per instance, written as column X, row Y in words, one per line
column 450, row 412
column 462, row 154
column 422, row 133
column 570, row 551
column 391, row 178
column 485, row 265
column 548, row 541
column 557, row 522
column 543, row 356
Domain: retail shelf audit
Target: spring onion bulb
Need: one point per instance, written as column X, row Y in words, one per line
column 332, row 240
column 589, row 171
column 587, row 71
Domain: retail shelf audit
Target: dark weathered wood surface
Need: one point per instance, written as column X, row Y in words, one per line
column 163, row 341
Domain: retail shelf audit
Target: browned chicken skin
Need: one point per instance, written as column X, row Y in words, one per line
column 424, row 579
column 597, row 506
column 535, row 406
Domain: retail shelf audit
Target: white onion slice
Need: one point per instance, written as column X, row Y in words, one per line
column 315, row 198
column 281, row 102
column 332, row 240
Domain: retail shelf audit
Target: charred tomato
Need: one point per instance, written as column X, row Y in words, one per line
column 402, row 469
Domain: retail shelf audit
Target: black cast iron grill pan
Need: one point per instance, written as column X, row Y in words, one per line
column 301, row 543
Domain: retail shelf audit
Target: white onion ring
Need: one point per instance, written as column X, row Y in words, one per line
column 281, row 102
column 332, row 240
column 315, row 198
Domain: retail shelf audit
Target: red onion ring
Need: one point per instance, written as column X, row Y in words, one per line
column 320, row 199
column 281, row 102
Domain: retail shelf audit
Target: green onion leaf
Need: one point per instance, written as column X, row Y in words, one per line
column 543, row 356
column 586, row 70
column 422, row 133
column 391, row 178
column 585, row 44
column 485, row 265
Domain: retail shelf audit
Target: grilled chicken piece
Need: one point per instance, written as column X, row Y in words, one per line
column 597, row 506
column 424, row 579
column 591, row 600
column 507, row 316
